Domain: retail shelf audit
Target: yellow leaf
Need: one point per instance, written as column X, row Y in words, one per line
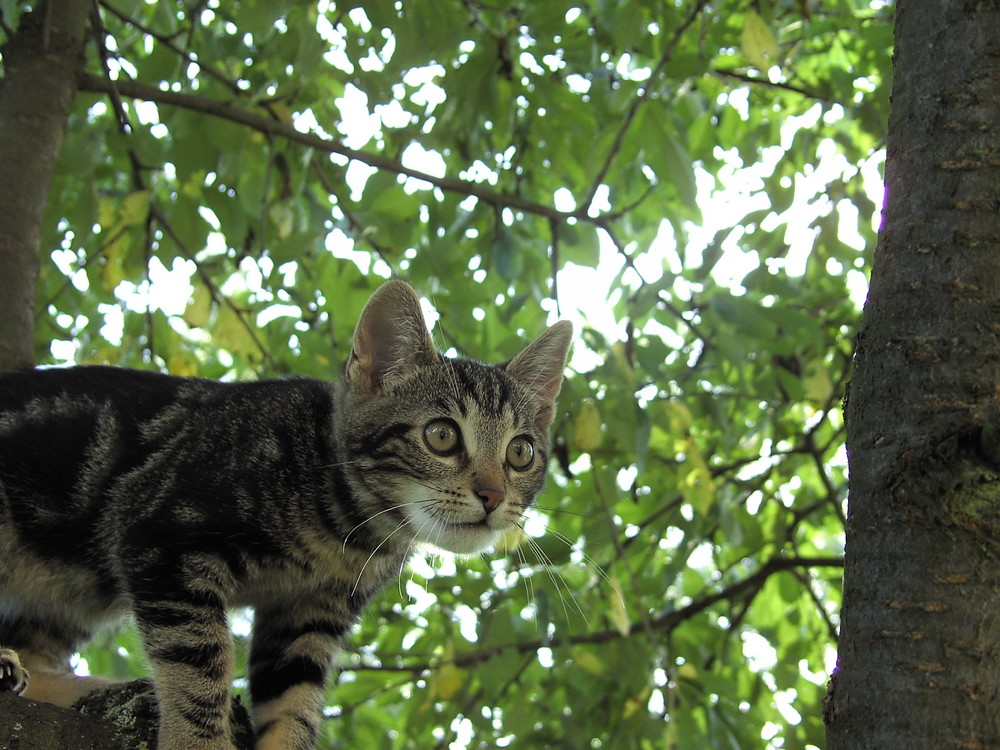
column 116, row 218
column 587, row 435
column 192, row 189
column 588, row 661
column 816, row 380
column 230, row 332
column 699, row 490
column 695, row 479
column 687, row 672
column 112, row 271
column 134, row 208
column 449, row 681
column 107, row 211
column 101, row 356
column 619, row 616
column 182, row 363
column 622, row 365
column 199, row 307
column 280, row 111
column 633, row 705
column 758, row 42
column 679, row 417
column 283, row 218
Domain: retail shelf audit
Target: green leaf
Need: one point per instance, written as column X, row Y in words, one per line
column 758, row 42
column 506, row 254
column 579, row 243
column 10, row 11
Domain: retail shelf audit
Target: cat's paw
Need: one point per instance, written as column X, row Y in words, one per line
column 13, row 677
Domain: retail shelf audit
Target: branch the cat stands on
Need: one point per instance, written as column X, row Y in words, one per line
column 173, row 499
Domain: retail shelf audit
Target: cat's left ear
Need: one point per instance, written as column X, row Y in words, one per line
column 540, row 365
column 391, row 337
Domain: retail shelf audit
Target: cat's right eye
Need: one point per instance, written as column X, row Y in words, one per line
column 442, row 437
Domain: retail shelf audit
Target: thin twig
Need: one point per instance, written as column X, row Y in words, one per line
column 554, row 264
column 740, row 76
column 216, row 295
column 100, row 32
column 637, row 103
column 187, row 55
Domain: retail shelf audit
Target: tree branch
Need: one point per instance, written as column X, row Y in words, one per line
column 30, row 725
column 666, row 621
column 271, row 126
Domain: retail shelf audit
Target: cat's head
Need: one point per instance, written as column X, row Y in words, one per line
column 447, row 452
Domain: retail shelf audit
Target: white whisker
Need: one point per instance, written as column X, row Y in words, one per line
column 558, row 582
column 373, row 516
column 529, row 586
column 591, row 562
column 374, row 551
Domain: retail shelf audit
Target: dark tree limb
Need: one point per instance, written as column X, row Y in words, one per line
column 665, row 621
column 270, row 126
column 30, row 725
column 118, row 718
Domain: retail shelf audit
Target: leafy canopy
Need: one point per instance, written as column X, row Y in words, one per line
column 689, row 180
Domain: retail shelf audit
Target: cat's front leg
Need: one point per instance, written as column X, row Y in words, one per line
column 190, row 649
column 291, row 657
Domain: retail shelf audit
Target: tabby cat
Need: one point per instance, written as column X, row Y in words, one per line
column 174, row 499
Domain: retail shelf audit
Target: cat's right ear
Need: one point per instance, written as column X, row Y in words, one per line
column 391, row 338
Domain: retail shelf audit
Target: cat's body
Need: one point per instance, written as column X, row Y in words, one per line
column 176, row 499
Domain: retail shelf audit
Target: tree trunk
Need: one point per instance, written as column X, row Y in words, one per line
column 41, row 63
column 919, row 663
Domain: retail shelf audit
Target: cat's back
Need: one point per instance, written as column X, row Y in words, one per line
column 54, row 422
column 68, row 434
column 40, row 401
column 33, row 395
column 89, row 451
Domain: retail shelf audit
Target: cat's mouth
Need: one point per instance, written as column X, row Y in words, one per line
column 467, row 527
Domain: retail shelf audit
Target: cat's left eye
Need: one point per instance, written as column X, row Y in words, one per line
column 442, row 437
column 520, row 453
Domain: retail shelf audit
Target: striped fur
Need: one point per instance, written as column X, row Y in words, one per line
column 173, row 500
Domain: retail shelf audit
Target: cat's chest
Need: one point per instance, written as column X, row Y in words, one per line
column 330, row 567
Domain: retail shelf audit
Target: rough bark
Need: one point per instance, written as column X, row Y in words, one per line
column 919, row 663
column 119, row 718
column 42, row 61
column 29, row 725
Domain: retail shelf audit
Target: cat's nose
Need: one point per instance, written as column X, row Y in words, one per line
column 491, row 497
